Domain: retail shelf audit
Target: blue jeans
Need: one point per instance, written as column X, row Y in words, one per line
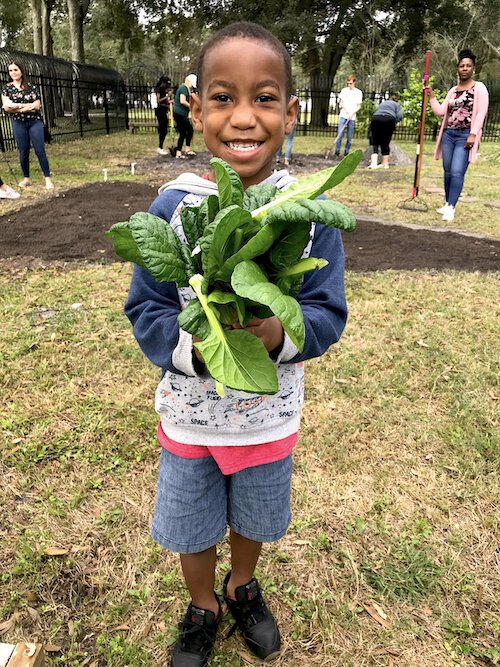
column 455, row 162
column 350, row 131
column 27, row 132
column 288, row 145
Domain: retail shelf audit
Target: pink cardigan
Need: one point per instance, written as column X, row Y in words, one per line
column 479, row 111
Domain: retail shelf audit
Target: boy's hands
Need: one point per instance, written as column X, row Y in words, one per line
column 269, row 330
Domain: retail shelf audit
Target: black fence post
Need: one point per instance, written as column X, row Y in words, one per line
column 80, row 118
column 106, row 109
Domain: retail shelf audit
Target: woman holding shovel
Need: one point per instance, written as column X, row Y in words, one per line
column 464, row 110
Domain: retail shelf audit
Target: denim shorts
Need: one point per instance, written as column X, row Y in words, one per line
column 195, row 502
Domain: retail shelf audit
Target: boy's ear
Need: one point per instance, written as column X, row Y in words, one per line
column 195, row 104
column 292, row 112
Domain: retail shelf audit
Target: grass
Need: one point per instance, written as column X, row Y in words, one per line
column 395, row 494
column 78, row 162
column 391, row 555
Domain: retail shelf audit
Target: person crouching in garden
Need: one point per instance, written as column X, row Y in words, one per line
column 382, row 127
column 464, row 109
column 21, row 99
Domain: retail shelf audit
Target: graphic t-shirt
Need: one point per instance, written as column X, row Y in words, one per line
column 460, row 109
column 23, row 96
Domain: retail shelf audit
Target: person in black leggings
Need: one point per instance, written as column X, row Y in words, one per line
column 382, row 128
column 181, row 116
column 163, row 89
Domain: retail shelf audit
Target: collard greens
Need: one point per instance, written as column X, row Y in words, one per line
column 243, row 259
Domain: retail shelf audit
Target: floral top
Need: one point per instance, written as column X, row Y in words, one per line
column 460, row 109
column 20, row 96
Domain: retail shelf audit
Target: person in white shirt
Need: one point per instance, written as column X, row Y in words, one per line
column 350, row 99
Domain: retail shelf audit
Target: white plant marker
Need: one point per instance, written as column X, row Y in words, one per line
column 105, row 174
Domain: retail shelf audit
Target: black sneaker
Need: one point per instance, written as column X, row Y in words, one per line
column 253, row 619
column 196, row 638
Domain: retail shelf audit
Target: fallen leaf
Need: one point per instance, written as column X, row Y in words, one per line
column 123, row 626
column 8, row 624
column 32, row 597
column 375, row 615
column 246, row 657
column 379, row 609
column 34, row 615
column 55, row 551
column 71, row 628
column 52, row 648
column 147, row 629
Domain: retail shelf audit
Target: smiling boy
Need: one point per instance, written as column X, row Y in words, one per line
column 228, row 461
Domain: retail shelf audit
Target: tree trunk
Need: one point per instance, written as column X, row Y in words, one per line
column 48, row 42
column 76, row 14
column 36, row 14
column 321, row 87
column 77, row 9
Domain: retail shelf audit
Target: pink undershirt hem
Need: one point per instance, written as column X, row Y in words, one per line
column 231, row 459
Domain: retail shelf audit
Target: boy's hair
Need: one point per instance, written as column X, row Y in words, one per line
column 352, row 77
column 247, row 30
column 466, row 53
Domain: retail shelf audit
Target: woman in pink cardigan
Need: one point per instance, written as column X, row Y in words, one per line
column 464, row 110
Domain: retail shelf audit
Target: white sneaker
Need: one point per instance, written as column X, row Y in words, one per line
column 449, row 214
column 161, row 151
column 48, row 184
column 9, row 193
column 443, row 209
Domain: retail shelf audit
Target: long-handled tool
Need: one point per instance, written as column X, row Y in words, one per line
column 413, row 203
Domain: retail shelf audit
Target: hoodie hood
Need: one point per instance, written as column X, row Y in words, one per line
column 196, row 185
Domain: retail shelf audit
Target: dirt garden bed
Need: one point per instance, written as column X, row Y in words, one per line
column 70, row 226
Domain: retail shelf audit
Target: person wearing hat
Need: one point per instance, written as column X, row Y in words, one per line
column 181, row 116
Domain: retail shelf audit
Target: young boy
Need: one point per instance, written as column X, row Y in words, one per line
column 227, row 461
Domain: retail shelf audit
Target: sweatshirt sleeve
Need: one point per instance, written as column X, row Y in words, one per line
column 322, row 299
column 482, row 108
column 153, row 307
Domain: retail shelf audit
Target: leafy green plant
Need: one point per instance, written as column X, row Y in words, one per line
column 411, row 101
column 243, row 259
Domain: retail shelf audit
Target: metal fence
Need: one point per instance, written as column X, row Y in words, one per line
column 84, row 99
column 319, row 113
column 77, row 99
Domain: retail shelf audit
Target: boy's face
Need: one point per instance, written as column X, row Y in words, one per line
column 244, row 110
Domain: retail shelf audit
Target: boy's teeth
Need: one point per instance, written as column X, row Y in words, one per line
column 242, row 147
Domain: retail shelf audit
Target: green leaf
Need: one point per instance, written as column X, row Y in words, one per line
column 209, row 208
column 257, row 245
column 249, row 281
column 239, row 360
column 160, row 248
column 222, row 298
column 193, row 320
column 228, row 183
column 289, row 247
column 256, row 196
column 217, row 248
column 234, row 358
column 312, row 186
column 325, row 211
column 124, row 243
column 189, row 219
